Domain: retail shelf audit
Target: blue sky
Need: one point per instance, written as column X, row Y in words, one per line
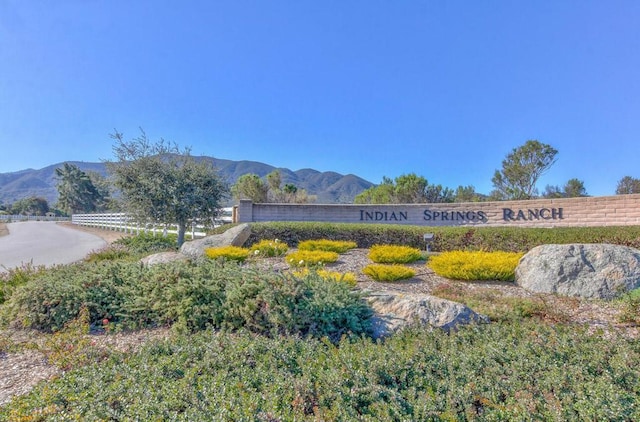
column 444, row 89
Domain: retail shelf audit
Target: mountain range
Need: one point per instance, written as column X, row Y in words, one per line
column 329, row 187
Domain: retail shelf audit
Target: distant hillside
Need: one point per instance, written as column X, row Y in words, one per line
column 329, row 187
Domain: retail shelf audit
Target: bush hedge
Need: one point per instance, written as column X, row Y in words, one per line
column 508, row 239
column 338, row 246
column 491, row 372
column 144, row 243
column 190, row 296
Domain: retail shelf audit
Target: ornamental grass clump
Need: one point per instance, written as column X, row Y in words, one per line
column 233, row 253
column 384, row 272
column 269, row 248
column 311, row 258
column 475, row 265
column 338, row 246
column 394, row 254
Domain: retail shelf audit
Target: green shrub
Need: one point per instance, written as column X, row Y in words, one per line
column 630, row 307
column 491, row 372
column 286, row 304
column 14, row 277
column 510, row 239
column 348, row 277
column 269, row 248
column 463, row 265
column 310, row 258
column 55, row 297
column 190, row 296
column 110, row 253
column 338, row 246
column 233, row 253
column 394, row 254
column 384, row 272
column 145, row 243
column 71, row 347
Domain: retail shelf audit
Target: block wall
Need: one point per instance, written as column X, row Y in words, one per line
column 618, row 210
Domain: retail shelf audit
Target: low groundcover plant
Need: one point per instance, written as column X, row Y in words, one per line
column 394, row 254
column 386, row 272
column 475, row 265
column 310, row 258
column 269, row 248
column 339, row 246
column 233, row 253
column 348, row 277
column 189, row 297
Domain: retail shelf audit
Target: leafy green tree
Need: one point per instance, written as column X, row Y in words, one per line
column 250, row 186
column 289, row 194
column 410, row 189
column 30, row 206
column 467, row 194
column 572, row 189
column 437, row 193
column 628, row 185
column 380, row 194
column 163, row 184
column 552, row 191
column 76, row 191
column 104, row 188
column 521, row 170
column 405, row 189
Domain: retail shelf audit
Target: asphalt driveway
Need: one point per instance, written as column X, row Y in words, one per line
column 44, row 243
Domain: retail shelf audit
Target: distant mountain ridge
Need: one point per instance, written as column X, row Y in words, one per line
column 329, row 187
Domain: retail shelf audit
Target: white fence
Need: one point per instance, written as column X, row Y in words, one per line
column 124, row 223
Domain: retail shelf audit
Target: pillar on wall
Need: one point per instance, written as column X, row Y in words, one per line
column 244, row 213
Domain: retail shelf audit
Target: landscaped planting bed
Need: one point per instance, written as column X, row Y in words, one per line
column 256, row 341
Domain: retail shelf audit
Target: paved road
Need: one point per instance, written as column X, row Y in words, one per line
column 44, row 243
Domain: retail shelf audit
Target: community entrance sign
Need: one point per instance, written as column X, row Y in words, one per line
column 588, row 211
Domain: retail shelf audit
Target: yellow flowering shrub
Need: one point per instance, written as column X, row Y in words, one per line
column 385, row 272
column 269, row 248
column 348, row 277
column 475, row 265
column 309, row 258
column 228, row 252
column 339, row 246
column 394, row 254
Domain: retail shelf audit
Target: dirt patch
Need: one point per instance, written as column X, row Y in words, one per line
column 24, row 369
column 3, row 229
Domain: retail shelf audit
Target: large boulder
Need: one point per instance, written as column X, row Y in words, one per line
column 235, row 236
column 163, row 258
column 395, row 310
column 600, row 271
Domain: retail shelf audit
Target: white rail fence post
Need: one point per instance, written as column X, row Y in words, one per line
column 123, row 222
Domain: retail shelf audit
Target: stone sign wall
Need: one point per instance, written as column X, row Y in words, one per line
column 618, row 210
